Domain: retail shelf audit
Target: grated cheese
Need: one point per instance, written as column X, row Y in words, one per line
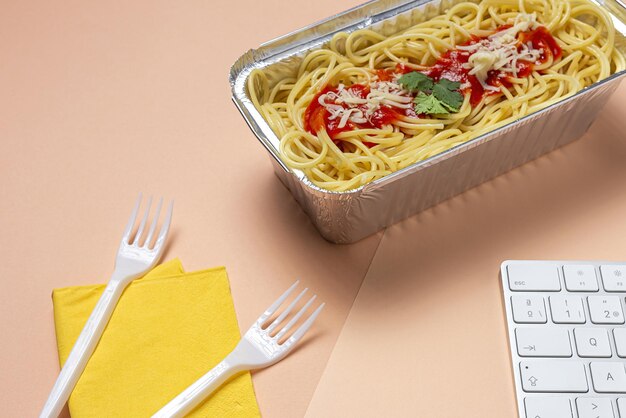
column 501, row 52
column 361, row 110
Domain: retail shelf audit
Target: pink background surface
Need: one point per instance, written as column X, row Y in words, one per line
column 101, row 100
column 426, row 336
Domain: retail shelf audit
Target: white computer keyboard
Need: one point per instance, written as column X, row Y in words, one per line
column 567, row 337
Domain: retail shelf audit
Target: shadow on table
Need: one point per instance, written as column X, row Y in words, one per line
column 556, row 206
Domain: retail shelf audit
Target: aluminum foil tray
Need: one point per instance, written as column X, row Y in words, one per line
column 346, row 217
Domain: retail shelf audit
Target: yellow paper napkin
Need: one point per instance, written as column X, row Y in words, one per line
column 168, row 329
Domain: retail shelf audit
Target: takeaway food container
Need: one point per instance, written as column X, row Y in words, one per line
column 346, row 217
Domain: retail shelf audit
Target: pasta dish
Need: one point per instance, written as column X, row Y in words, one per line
column 366, row 105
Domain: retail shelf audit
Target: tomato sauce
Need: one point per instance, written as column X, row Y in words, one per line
column 316, row 117
column 450, row 66
column 541, row 38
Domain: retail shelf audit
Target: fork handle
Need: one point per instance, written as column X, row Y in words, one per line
column 83, row 348
column 200, row 389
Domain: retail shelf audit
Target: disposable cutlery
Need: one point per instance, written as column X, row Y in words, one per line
column 134, row 259
column 260, row 347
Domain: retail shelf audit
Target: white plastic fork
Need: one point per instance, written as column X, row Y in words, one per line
column 133, row 261
column 257, row 349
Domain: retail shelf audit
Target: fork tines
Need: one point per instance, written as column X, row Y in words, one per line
column 140, row 231
column 299, row 333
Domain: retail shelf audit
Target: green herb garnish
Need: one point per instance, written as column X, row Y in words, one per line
column 447, row 92
column 428, row 104
column 433, row 98
column 415, row 81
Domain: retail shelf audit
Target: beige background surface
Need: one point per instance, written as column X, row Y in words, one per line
column 100, row 100
column 426, row 336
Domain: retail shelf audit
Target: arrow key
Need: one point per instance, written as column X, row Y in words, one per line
column 553, row 376
column 594, row 408
column 543, row 342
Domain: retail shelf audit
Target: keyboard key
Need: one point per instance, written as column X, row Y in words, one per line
column 620, row 342
column 614, row 278
column 605, row 310
column 592, row 342
column 569, row 337
column 567, row 309
column 533, row 278
column 580, row 278
column 543, row 342
column 594, row 408
column 544, row 407
column 621, row 406
column 529, row 309
column 608, row 377
column 553, row 376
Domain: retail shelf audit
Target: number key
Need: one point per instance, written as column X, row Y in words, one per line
column 528, row 309
column 605, row 310
column 567, row 309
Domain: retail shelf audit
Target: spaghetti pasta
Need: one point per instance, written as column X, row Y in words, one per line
column 367, row 105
